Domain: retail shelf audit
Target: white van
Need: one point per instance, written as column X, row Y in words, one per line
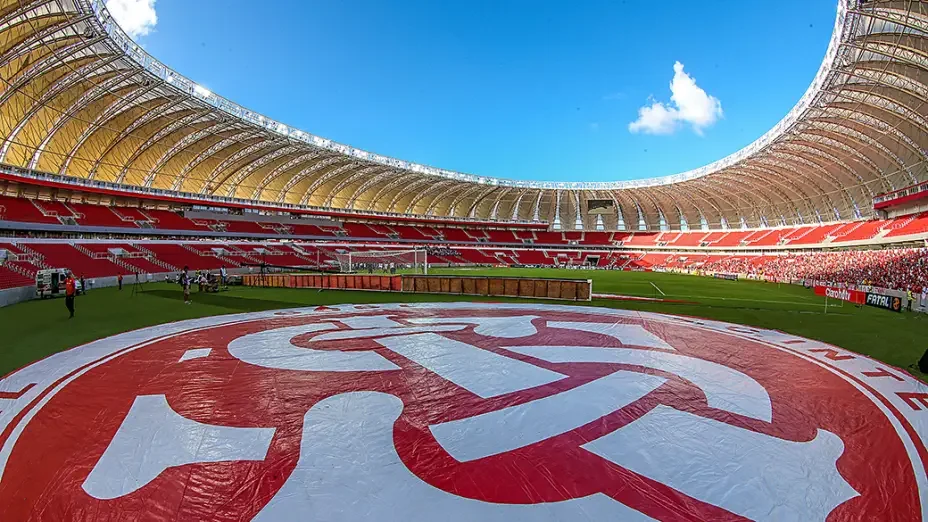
column 50, row 282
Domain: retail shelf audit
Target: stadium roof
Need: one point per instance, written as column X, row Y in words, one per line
column 81, row 99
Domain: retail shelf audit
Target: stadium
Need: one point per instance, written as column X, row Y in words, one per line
column 369, row 338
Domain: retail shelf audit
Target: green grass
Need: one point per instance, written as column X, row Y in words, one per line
column 35, row 329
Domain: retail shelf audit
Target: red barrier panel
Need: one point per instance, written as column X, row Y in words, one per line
column 852, row 296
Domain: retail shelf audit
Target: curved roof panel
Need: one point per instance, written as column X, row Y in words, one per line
column 81, row 99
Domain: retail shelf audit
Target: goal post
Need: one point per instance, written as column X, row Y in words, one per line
column 394, row 261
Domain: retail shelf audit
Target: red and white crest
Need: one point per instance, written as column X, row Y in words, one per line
column 461, row 412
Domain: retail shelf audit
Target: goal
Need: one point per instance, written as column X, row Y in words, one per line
column 405, row 261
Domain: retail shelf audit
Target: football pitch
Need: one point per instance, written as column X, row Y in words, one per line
column 36, row 329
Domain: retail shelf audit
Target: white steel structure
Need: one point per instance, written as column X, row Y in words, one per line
column 83, row 103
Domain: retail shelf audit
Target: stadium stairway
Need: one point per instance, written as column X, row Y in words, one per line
column 153, row 258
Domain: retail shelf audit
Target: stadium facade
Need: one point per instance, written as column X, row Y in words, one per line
column 81, row 100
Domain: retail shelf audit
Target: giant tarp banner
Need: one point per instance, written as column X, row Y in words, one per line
column 461, row 412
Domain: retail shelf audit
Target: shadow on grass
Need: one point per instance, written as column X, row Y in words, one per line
column 231, row 302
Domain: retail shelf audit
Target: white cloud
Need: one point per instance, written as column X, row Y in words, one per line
column 136, row 17
column 689, row 104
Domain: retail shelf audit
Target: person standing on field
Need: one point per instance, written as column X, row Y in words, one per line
column 185, row 282
column 69, row 290
column 119, row 280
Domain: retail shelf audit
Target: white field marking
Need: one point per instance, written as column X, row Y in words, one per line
column 816, row 304
column 384, row 332
column 373, row 321
column 481, row 372
column 751, row 474
column 725, row 388
column 631, row 334
column 518, row 426
column 195, row 353
column 508, row 327
column 153, row 438
column 658, row 289
column 349, row 470
column 274, row 349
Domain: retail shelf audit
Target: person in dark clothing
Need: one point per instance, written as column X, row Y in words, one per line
column 119, row 280
column 69, row 291
column 83, row 286
column 185, row 283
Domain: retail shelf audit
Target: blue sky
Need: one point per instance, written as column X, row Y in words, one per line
column 514, row 89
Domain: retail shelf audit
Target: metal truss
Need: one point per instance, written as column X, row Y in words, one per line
column 86, row 101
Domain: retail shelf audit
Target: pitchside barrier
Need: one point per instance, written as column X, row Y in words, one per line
column 379, row 283
column 565, row 289
column 887, row 302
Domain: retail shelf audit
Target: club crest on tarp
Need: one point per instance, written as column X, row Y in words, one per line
column 461, row 412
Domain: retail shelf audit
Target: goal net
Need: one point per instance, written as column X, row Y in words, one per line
column 384, row 261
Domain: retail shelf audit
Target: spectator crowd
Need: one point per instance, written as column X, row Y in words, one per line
column 897, row 269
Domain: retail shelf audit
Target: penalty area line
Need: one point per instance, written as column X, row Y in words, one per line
column 658, row 288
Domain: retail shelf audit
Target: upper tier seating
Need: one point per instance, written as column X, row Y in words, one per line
column 456, row 235
column 732, row 238
column 690, row 239
column 864, row 231
column 53, row 208
column 365, row 230
column 167, row 220
column 99, row 216
column 770, row 238
column 668, row 237
column 914, row 225
column 642, row 239
column 412, row 233
column 502, row 236
column 812, row 235
column 300, row 229
column 247, row 227
column 17, row 209
column 597, row 238
column 550, row 238
column 130, row 214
